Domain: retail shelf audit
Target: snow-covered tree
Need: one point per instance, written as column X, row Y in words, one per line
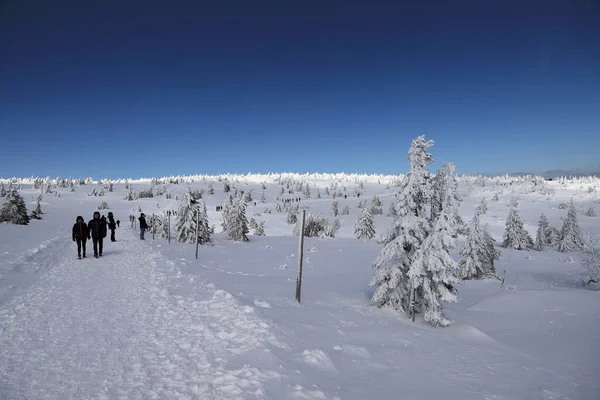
column 334, row 208
column 541, row 237
column 226, row 187
column 14, row 209
column 191, row 218
column 478, row 254
column 263, row 199
column 292, row 213
column 211, row 189
column 552, row 236
column 376, row 202
column 445, row 197
column 237, row 224
column 515, row 235
column 482, row 207
column 391, row 282
column 591, row 260
column 306, row 191
column 570, row 235
column 590, row 212
column 2, row 190
column 346, row 210
column 332, row 228
column 260, row 229
column 37, row 211
column 364, row 228
column 227, row 209
column 392, row 210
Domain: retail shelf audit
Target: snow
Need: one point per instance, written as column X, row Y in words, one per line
column 149, row 321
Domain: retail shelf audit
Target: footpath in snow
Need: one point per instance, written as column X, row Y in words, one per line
column 118, row 328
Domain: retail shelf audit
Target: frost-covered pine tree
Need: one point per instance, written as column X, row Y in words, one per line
column 292, row 213
column 570, row 235
column 227, row 209
column 482, row 207
column 393, row 288
column 318, row 193
column 515, row 235
column 226, row 187
column 478, row 254
column 392, row 210
column 237, row 224
column 346, row 210
column 553, row 236
column 2, row 190
column 260, row 229
column 541, row 237
column 14, row 209
column 263, row 199
column 306, row 191
column 445, row 194
column 364, row 228
column 590, row 212
column 37, row 211
column 334, row 208
column 192, row 217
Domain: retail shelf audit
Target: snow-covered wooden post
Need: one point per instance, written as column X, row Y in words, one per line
column 197, row 229
column 152, row 226
column 300, row 257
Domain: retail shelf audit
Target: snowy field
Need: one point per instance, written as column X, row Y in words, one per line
column 150, row 321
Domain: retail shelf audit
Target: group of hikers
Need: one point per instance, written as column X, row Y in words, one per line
column 96, row 230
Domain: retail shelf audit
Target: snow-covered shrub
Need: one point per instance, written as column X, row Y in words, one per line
column 334, row 208
column 542, row 235
column 346, row 210
column 590, row 212
column 332, row 228
column 314, row 226
column 563, row 206
column 37, row 211
column 482, row 207
column 103, row 206
column 260, row 229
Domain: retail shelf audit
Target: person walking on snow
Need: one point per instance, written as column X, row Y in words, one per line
column 97, row 232
column 112, row 225
column 118, row 223
column 80, row 234
column 143, row 225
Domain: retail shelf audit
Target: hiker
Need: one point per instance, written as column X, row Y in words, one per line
column 143, row 225
column 80, row 233
column 97, row 232
column 112, row 225
column 118, row 223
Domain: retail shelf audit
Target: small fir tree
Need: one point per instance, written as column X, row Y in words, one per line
column 334, row 208
column 541, row 237
column 346, row 210
column 515, row 235
column 364, row 228
column 570, row 235
column 237, row 226
column 478, row 254
column 14, row 209
column 37, row 211
column 191, row 218
column 260, row 229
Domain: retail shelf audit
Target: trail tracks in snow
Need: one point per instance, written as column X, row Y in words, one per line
column 116, row 328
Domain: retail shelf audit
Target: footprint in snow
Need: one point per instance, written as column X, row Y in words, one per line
column 263, row 304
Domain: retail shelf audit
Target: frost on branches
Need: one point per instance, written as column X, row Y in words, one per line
column 14, row 209
column 192, row 217
column 235, row 224
column 515, row 235
column 478, row 254
column 414, row 271
column 542, row 235
column 364, row 228
column 570, row 235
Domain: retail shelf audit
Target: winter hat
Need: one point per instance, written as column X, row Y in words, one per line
column 96, row 213
column 79, row 218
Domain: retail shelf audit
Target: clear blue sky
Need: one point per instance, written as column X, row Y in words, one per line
column 150, row 88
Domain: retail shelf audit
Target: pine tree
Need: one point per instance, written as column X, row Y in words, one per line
column 263, row 199
column 553, row 236
column 393, row 288
column 306, row 191
column 334, row 208
column 37, row 212
column 541, row 237
column 237, row 226
column 392, row 210
column 444, row 188
column 570, row 235
column 14, row 209
column 364, row 228
column 227, row 209
column 192, row 217
column 346, row 210
column 260, row 229
column 2, row 190
column 292, row 214
column 515, row 235
column 478, row 254
column 482, row 207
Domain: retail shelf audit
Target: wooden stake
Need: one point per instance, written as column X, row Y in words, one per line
column 300, row 257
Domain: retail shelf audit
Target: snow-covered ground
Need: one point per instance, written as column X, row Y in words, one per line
column 149, row 321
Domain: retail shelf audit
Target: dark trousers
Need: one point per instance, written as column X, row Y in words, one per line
column 112, row 235
column 80, row 244
column 97, row 245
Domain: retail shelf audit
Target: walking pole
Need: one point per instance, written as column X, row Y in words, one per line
column 197, row 229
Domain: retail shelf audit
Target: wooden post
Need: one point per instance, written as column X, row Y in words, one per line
column 169, row 235
column 197, row 229
column 152, row 226
column 411, row 305
column 300, row 257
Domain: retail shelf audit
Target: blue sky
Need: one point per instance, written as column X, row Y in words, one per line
column 149, row 88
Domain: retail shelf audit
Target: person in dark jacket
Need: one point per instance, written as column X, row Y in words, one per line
column 118, row 223
column 143, row 225
column 80, row 234
column 97, row 232
column 112, row 225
